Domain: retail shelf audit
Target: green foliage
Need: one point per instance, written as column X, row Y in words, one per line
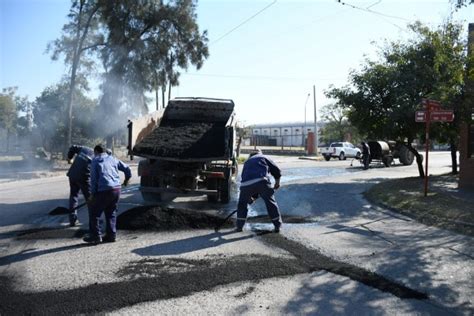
column 8, row 113
column 462, row 3
column 146, row 43
column 50, row 117
column 337, row 128
column 385, row 94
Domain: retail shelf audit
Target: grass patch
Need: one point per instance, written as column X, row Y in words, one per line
column 444, row 206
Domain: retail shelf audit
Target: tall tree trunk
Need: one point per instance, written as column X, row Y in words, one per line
column 454, row 159
column 78, row 49
column 8, row 141
column 157, row 97
column 169, row 91
column 163, row 89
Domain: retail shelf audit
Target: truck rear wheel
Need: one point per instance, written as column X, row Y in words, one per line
column 342, row 156
column 147, row 181
column 327, row 157
column 212, row 185
column 224, row 190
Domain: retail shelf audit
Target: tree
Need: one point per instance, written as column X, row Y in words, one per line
column 146, row 42
column 337, row 126
column 50, row 113
column 8, row 113
column 386, row 93
column 461, row 3
column 80, row 39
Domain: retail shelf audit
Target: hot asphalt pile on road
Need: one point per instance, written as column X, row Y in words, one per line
column 445, row 206
column 161, row 218
column 187, row 140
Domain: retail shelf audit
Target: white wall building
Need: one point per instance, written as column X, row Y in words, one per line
column 283, row 134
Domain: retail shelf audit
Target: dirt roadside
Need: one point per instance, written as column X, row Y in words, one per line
column 446, row 206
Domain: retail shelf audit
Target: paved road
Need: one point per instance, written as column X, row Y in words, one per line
column 349, row 258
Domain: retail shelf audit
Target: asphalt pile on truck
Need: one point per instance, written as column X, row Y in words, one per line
column 161, row 218
column 184, row 140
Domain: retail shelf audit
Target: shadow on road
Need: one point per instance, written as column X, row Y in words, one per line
column 34, row 252
column 191, row 244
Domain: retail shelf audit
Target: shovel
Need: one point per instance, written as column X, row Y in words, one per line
column 216, row 229
column 61, row 210
column 252, row 199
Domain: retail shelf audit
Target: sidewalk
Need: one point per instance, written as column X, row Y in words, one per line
column 445, row 206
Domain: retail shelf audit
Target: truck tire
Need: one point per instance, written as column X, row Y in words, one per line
column 342, row 156
column 406, row 157
column 327, row 157
column 224, row 190
column 212, row 185
column 146, row 181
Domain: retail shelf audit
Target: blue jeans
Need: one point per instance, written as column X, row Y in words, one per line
column 266, row 192
column 106, row 202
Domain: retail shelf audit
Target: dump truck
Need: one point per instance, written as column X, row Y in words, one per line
column 188, row 149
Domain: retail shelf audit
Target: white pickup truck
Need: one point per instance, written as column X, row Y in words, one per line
column 341, row 150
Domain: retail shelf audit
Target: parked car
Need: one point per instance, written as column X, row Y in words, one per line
column 341, row 150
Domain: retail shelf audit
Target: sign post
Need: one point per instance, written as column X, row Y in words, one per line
column 432, row 113
column 428, row 121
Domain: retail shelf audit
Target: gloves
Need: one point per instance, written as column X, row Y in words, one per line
column 69, row 161
column 125, row 182
column 277, row 184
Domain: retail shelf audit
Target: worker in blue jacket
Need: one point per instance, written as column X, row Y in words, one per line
column 256, row 182
column 105, row 189
column 79, row 177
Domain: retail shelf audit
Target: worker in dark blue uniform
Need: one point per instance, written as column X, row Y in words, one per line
column 79, row 177
column 105, row 189
column 256, row 182
column 365, row 155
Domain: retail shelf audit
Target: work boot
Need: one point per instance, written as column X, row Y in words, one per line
column 93, row 240
column 276, row 229
column 238, row 229
column 108, row 238
column 72, row 220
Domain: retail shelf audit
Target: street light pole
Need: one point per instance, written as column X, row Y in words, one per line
column 316, row 141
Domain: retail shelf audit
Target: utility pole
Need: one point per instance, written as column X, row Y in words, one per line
column 316, row 141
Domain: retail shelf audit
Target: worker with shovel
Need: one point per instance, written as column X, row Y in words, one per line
column 105, row 189
column 79, row 177
column 256, row 182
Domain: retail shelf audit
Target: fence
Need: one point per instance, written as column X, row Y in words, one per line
column 290, row 142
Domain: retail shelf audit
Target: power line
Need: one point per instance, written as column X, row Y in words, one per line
column 259, row 77
column 372, row 11
column 245, row 21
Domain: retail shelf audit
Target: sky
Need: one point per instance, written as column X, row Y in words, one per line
column 264, row 55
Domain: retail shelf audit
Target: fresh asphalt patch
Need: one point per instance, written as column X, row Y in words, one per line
column 162, row 218
column 50, row 233
column 317, row 261
column 147, row 280
column 152, row 279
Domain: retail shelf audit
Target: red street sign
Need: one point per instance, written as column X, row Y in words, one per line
column 420, row 116
column 442, row 116
column 432, row 105
column 436, row 116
